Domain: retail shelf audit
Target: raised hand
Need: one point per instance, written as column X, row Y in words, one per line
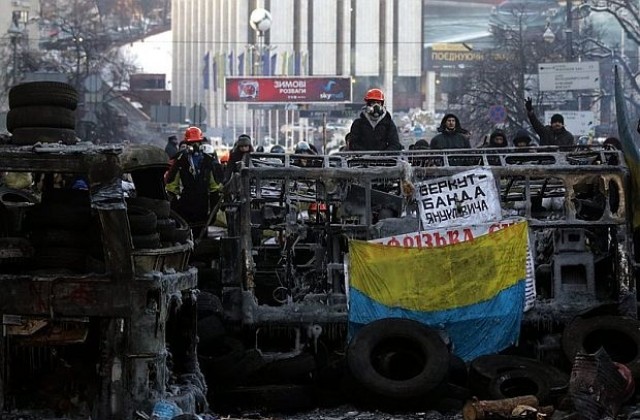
column 528, row 104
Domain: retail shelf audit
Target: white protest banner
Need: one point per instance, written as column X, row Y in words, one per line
column 467, row 197
column 456, row 234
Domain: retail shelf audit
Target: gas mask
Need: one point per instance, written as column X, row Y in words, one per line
column 375, row 110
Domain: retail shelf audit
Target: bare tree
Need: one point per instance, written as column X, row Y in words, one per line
column 508, row 75
column 627, row 15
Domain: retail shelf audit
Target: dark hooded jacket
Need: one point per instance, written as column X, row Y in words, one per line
column 370, row 134
column 450, row 139
column 522, row 134
column 549, row 137
column 235, row 156
column 493, row 136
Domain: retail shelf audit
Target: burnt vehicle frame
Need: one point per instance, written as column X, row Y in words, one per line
column 105, row 345
column 291, row 269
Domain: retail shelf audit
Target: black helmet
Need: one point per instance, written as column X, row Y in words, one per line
column 303, row 148
column 277, row 149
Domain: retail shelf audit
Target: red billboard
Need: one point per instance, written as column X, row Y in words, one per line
column 288, row 89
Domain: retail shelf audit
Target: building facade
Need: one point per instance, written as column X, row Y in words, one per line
column 376, row 43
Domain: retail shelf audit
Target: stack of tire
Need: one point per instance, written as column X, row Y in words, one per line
column 64, row 232
column 42, row 112
column 153, row 224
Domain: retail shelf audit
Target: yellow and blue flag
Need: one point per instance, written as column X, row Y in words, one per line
column 473, row 290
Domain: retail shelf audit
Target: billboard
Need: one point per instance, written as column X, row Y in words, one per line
column 288, row 89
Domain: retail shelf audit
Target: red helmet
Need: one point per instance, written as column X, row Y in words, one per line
column 374, row 95
column 193, row 134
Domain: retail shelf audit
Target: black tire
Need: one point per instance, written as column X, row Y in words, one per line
column 165, row 225
column 142, row 221
column 618, row 335
column 40, row 116
column 43, row 93
column 483, row 369
column 181, row 233
column 31, row 135
column 161, row 208
column 150, row 241
column 458, row 373
column 519, row 382
column 12, row 195
column 398, row 358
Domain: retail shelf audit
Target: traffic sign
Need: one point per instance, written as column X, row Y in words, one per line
column 197, row 114
column 569, row 76
column 497, row 114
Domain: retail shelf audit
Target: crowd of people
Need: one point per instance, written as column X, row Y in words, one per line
column 196, row 178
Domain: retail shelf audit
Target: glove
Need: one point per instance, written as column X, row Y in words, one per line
column 528, row 104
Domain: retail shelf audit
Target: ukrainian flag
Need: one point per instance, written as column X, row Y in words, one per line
column 473, row 290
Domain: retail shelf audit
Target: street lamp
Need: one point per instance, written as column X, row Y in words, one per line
column 260, row 21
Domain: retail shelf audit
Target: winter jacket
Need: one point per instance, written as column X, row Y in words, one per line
column 450, row 139
column 367, row 134
column 549, row 137
column 495, row 134
column 195, row 184
column 235, row 156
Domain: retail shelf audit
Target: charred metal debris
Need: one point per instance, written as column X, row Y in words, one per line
column 109, row 305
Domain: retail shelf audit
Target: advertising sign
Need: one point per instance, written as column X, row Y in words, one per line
column 454, row 55
column 288, row 89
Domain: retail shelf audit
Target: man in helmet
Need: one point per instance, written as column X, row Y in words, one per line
column 374, row 129
column 240, row 148
column 276, row 148
column 194, row 180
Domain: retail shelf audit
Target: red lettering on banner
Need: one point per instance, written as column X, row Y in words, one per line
column 393, row 242
column 407, row 242
column 498, row 226
column 468, row 235
column 440, row 240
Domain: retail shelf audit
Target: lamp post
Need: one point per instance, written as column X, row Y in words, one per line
column 260, row 21
column 569, row 30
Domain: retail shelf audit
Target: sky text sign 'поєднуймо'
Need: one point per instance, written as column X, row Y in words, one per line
column 569, row 76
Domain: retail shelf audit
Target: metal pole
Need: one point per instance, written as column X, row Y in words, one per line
column 569, row 30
